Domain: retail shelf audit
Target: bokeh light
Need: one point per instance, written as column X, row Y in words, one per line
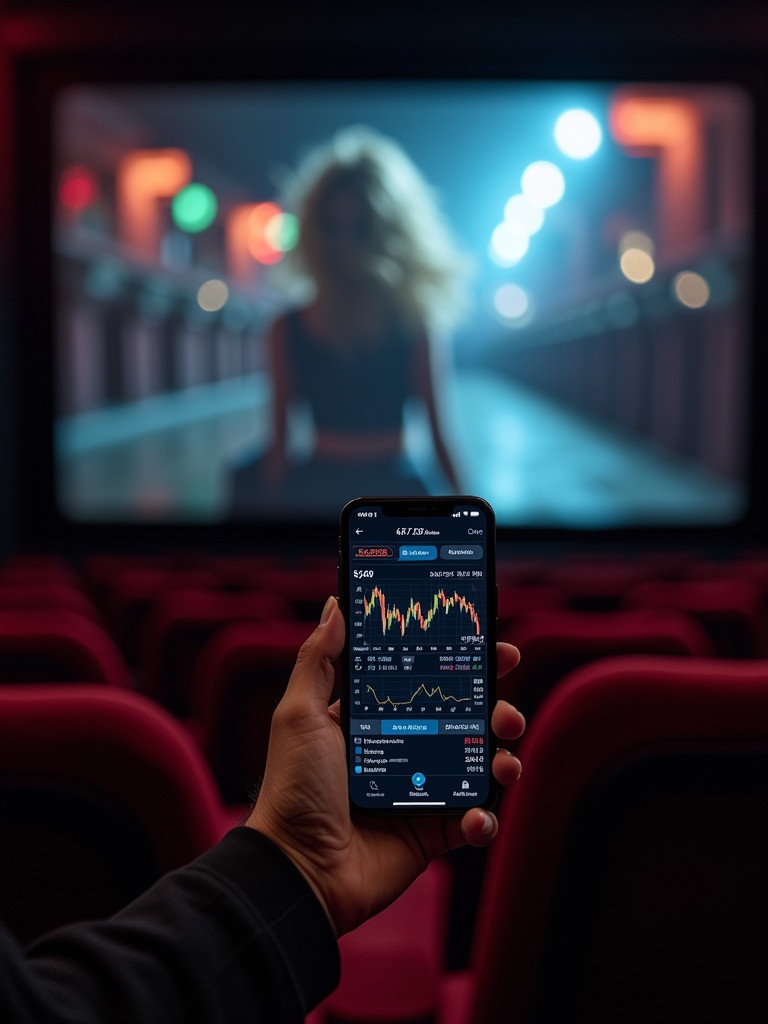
column 194, row 208
column 691, row 289
column 282, row 231
column 637, row 265
column 263, row 220
column 513, row 305
column 523, row 215
column 507, row 246
column 212, row 295
column 578, row 134
column 543, row 183
column 78, row 188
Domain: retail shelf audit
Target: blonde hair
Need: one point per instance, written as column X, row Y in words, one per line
column 413, row 251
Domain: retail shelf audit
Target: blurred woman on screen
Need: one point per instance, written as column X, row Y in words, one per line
column 378, row 280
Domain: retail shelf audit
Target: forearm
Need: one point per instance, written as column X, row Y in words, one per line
column 236, row 935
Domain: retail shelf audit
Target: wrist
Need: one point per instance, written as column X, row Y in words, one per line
column 259, row 824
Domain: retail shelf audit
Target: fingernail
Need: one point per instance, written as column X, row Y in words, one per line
column 329, row 605
column 487, row 825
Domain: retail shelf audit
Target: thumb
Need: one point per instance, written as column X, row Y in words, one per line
column 313, row 675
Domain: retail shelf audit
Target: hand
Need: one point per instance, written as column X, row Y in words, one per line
column 356, row 867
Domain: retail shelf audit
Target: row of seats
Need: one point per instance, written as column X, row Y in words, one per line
column 197, row 649
column 627, row 883
column 643, row 792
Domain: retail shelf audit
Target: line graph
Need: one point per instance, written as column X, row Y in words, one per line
column 400, row 614
column 431, row 693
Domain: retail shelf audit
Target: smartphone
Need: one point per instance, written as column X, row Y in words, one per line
column 417, row 586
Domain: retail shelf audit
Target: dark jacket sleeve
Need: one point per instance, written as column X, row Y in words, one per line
column 236, row 936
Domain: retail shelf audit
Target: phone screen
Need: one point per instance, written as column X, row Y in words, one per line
column 418, row 589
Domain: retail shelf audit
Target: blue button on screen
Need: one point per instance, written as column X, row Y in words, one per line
column 411, row 727
column 418, row 552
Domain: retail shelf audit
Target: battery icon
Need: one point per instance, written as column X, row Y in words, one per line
column 474, row 513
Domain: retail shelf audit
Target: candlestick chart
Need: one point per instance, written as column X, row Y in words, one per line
column 444, row 615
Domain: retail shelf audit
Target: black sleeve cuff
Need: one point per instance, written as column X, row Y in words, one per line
column 285, row 902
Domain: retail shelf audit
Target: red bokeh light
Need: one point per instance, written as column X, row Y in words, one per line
column 78, row 188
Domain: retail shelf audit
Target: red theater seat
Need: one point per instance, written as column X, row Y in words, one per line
column 101, row 792
column 179, row 626
column 240, row 677
column 37, row 568
column 628, row 880
column 596, row 586
column 516, row 601
column 553, row 643
column 731, row 609
column 130, row 596
column 305, row 587
column 57, row 645
column 391, row 966
column 45, row 595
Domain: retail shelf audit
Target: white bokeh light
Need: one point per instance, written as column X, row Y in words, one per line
column 691, row 289
column 507, row 246
column 512, row 305
column 578, row 134
column 543, row 183
column 523, row 215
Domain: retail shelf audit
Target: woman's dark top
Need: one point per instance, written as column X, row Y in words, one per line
column 357, row 389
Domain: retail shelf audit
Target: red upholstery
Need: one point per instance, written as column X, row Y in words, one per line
column 101, row 792
column 553, row 643
column 37, row 568
column 241, row 675
column 596, row 585
column 391, row 966
column 178, row 628
column 57, row 645
column 628, row 879
column 518, row 600
column 517, row 572
column 306, row 587
column 732, row 610
column 43, row 595
column 133, row 591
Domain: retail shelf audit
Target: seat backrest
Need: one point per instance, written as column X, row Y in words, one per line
column 131, row 592
column 101, row 792
column 731, row 609
column 596, row 584
column 240, row 678
column 180, row 625
column 57, row 645
column 628, row 879
column 555, row 642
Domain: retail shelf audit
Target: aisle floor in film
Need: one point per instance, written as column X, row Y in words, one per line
column 536, row 462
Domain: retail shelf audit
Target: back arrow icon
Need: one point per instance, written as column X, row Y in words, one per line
column 358, row 530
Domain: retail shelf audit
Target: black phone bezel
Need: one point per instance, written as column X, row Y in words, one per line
column 420, row 505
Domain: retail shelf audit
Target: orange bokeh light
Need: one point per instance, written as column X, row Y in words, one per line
column 247, row 239
column 259, row 246
column 652, row 121
column 143, row 177
column 670, row 130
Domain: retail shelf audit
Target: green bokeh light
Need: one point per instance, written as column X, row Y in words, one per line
column 194, row 208
column 282, row 232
